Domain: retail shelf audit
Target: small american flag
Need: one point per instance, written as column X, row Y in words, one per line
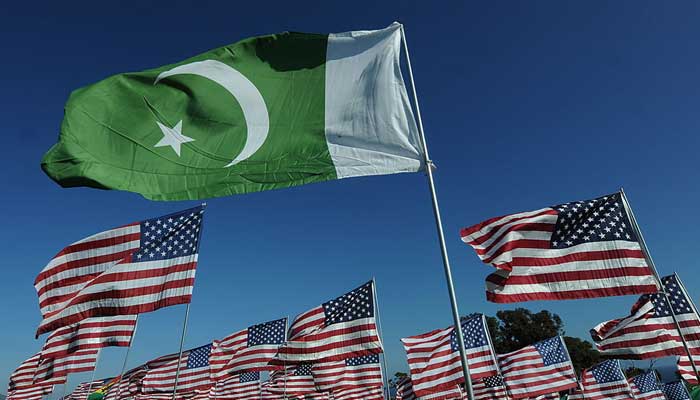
column 51, row 368
column 245, row 386
column 338, row 329
column 489, row 388
column 538, row 369
column 134, row 269
column 23, row 376
column 295, row 380
column 649, row 331
column 91, row 333
column 352, row 373
column 434, row 360
column 675, row 391
column 370, row 393
column 30, row 393
column 404, row 391
column 605, row 381
column 575, row 250
column 194, row 373
column 646, row 387
column 251, row 349
column 83, row 390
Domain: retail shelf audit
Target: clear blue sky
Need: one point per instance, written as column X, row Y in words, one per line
column 525, row 104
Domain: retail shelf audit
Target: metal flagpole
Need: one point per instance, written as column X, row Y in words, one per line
column 126, row 357
column 441, row 234
column 182, row 342
column 662, row 288
column 692, row 304
column 493, row 354
column 385, row 377
column 284, row 363
column 92, row 379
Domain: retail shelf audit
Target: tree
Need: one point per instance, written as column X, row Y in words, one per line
column 582, row 353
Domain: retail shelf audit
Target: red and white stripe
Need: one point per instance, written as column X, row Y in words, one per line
column 267, row 392
column 338, row 375
column 79, row 361
column 162, row 379
column 518, row 245
column 549, row 396
column 613, row 390
column 91, row 333
column 287, row 382
column 83, row 390
column 30, row 393
column 233, row 355
column 484, row 392
column 685, row 368
column 373, row 393
column 526, row 375
column 404, row 391
column 435, row 366
column 233, row 388
column 23, row 376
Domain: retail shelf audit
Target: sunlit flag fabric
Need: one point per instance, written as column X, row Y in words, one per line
column 352, row 373
column 295, row 380
column 649, row 331
column 575, row 250
column 646, row 387
column 137, row 268
column 605, row 381
column 76, row 362
column 685, row 368
column 267, row 392
column 35, row 392
column 245, row 386
column 675, row 391
column 194, row 373
column 23, row 376
column 265, row 113
column 83, row 390
column 341, row 328
column 251, row 349
column 91, row 333
column 369, row 393
column 489, row 388
column 404, row 391
column 542, row 368
column 434, row 359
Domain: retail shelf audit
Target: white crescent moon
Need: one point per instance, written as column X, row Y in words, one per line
column 248, row 96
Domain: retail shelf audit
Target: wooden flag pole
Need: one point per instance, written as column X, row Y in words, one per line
column 126, row 356
column 441, row 234
column 660, row 284
column 92, row 379
column 182, row 343
column 385, row 377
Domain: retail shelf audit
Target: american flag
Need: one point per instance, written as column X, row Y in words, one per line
column 404, row 391
column 134, row 269
column 91, row 333
column 194, row 373
column 538, row 369
column 685, row 369
column 30, row 393
column 83, row 390
column 338, row 329
column 369, row 393
column 675, row 391
column 646, row 387
column 352, row 373
column 649, row 331
column 549, row 396
column 605, row 381
column 268, row 392
column 245, row 386
column 575, row 250
column 51, row 368
column 434, row 360
column 295, row 380
column 23, row 376
column 489, row 388
column 251, row 349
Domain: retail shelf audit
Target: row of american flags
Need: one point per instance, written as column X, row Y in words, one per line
column 91, row 292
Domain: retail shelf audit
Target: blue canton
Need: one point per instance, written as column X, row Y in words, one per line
column 303, row 369
column 198, row 357
column 351, row 306
column 646, row 382
column 607, row 371
column 363, row 360
column 272, row 332
column 493, row 381
column 675, row 391
column 250, row 377
column 680, row 302
column 473, row 331
column 552, row 351
column 170, row 236
column 599, row 220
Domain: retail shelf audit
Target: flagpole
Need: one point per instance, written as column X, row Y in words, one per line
column 126, row 356
column 182, row 343
column 284, row 363
column 441, row 234
column 692, row 304
column 493, row 354
column 662, row 288
column 381, row 339
column 92, row 379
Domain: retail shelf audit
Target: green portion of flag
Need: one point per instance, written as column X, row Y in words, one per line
column 176, row 137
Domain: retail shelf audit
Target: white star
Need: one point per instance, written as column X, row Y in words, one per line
column 173, row 137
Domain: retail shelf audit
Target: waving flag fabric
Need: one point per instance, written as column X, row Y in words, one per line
column 23, row 376
column 649, row 332
column 675, row 391
column 538, row 369
column 575, row 250
column 124, row 271
column 30, row 393
column 489, row 388
column 605, row 381
column 685, row 368
column 341, row 328
column 404, row 391
column 91, row 333
column 295, row 380
column 269, row 393
column 83, row 390
column 194, row 373
column 370, row 393
column 434, row 360
column 646, row 387
column 79, row 361
column 245, row 386
column 251, row 349
column 352, row 373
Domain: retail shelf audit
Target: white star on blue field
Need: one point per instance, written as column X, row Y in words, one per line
column 525, row 105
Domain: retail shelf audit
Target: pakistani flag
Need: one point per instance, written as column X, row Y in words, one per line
column 265, row 113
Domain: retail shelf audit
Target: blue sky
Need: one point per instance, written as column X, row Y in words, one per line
column 525, row 104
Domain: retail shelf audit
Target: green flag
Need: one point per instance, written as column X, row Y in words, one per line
column 265, row 113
